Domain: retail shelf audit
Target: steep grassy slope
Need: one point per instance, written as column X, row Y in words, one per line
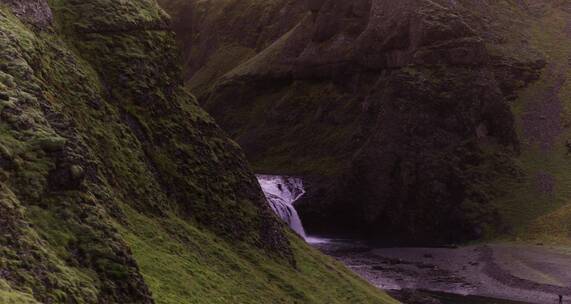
column 216, row 36
column 207, row 269
column 540, row 205
column 116, row 187
column 535, row 205
column 420, row 120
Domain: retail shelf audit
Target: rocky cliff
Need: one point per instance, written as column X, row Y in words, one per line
column 116, row 187
column 411, row 120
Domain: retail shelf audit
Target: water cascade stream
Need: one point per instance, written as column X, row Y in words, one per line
column 281, row 192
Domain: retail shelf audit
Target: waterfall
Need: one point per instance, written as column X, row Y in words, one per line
column 281, row 192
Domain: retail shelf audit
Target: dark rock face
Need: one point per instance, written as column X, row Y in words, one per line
column 397, row 112
column 417, row 159
column 36, row 12
column 314, row 5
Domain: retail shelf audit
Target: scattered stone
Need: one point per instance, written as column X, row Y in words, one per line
column 76, row 172
column 6, row 158
column 5, row 153
column 379, row 268
column 395, row 261
column 67, row 177
column 52, row 144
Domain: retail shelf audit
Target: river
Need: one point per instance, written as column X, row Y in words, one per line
column 478, row 274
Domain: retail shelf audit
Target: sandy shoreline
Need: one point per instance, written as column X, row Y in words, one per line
column 530, row 274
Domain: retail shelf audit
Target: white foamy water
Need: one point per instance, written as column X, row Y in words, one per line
column 317, row 240
column 281, row 192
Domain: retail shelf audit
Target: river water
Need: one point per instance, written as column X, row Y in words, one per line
column 281, row 192
column 413, row 275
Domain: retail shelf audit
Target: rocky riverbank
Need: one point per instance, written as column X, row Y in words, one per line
column 495, row 272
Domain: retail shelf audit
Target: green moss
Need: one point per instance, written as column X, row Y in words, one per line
column 100, row 99
column 219, row 63
column 532, row 214
column 171, row 143
column 183, row 264
column 10, row 296
column 110, row 15
column 235, row 31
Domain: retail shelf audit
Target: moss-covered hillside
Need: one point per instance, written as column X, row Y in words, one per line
column 116, row 187
column 419, row 120
column 216, row 36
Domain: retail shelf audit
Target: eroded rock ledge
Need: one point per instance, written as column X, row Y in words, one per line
column 36, row 12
